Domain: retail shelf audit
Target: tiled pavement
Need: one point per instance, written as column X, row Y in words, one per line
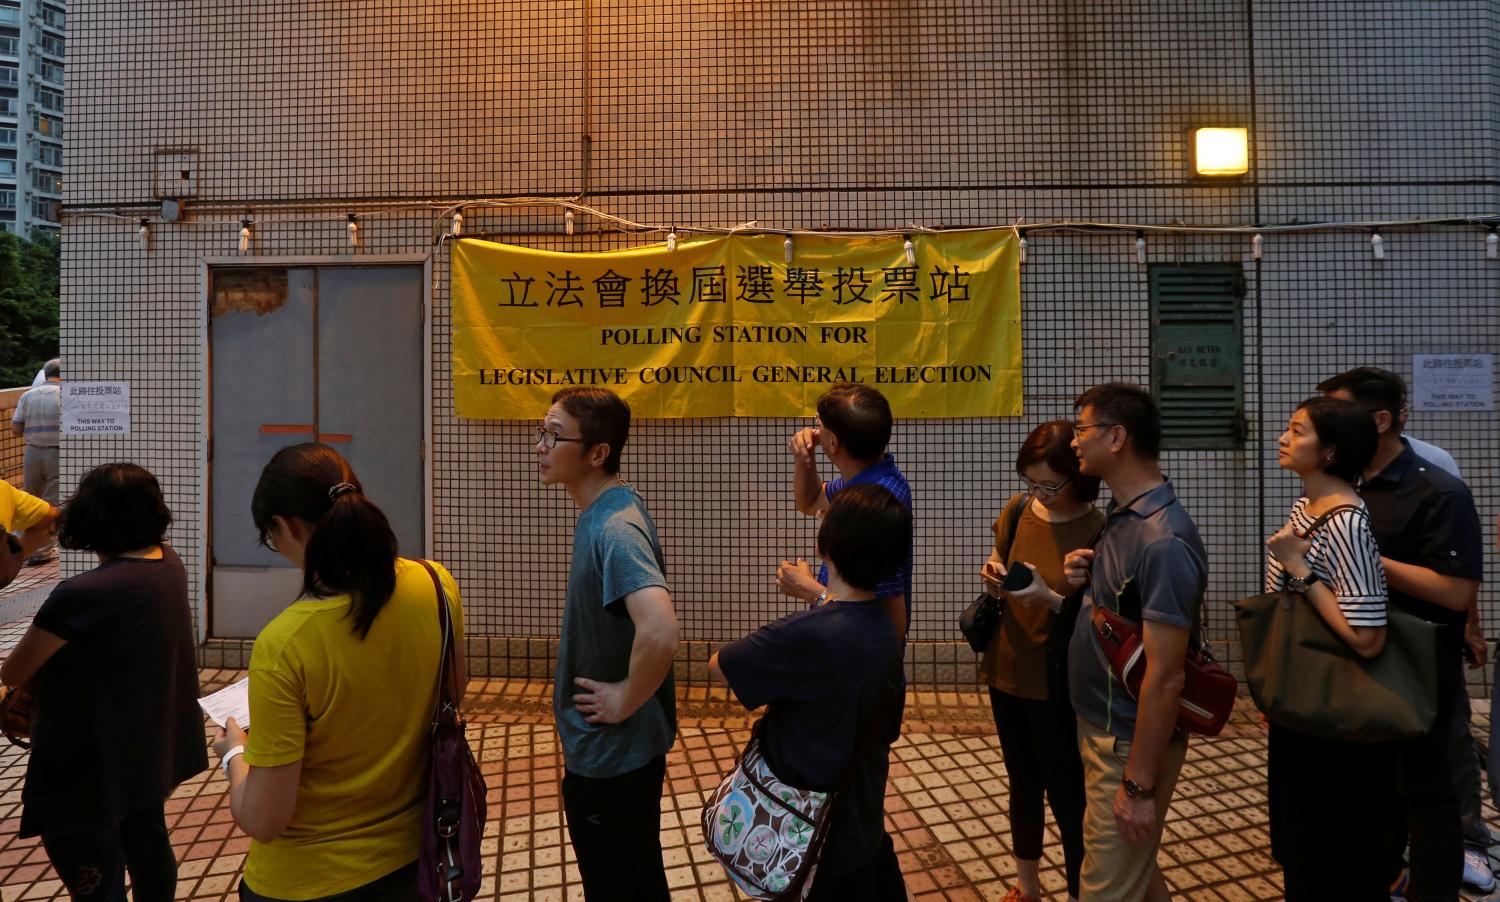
column 945, row 806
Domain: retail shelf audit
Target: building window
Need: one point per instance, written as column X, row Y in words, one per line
column 54, row 18
column 7, row 169
column 50, row 99
column 7, row 137
column 48, row 182
column 10, row 76
column 46, row 125
column 7, row 106
column 10, row 15
column 7, row 200
column 46, row 210
column 49, row 71
column 50, row 156
column 53, row 44
column 9, row 46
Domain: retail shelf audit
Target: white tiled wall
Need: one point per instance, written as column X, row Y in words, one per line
column 849, row 114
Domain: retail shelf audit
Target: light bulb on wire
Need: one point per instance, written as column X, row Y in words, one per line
column 145, row 233
column 786, row 248
column 244, row 236
column 568, row 222
column 1492, row 245
column 457, row 228
column 1023, row 247
column 911, row 251
column 671, row 241
column 354, row 230
column 1140, row 248
column 1256, row 246
column 1377, row 245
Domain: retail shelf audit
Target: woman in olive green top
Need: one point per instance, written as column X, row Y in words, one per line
column 1029, row 698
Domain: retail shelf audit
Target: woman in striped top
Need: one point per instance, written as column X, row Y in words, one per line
column 1328, row 799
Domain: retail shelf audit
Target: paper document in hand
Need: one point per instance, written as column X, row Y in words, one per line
column 231, row 701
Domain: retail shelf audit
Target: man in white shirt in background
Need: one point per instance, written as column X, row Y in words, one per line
column 36, row 422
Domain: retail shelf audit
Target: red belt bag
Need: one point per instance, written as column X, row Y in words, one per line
column 1208, row 691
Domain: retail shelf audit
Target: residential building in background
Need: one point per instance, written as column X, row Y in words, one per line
column 32, row 43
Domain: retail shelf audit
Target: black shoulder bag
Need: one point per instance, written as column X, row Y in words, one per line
column 982, row 616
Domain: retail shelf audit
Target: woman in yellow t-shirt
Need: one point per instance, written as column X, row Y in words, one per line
column 330, row 781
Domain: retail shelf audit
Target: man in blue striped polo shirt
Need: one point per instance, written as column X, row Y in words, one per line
column 853, row 429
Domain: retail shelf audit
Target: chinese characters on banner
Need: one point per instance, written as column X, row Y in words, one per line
column 725, row 327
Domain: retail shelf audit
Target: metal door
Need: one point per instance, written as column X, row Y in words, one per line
column 332, row 354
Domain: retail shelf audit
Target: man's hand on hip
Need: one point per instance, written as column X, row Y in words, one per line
column 600, row 702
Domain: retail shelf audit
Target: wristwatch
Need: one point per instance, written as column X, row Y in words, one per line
column 1300, row 584
column 1136, row 790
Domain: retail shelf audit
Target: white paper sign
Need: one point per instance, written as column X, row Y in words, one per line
column 96, row 408
column 1453, row 381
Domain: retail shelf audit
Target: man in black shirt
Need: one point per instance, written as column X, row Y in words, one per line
column 1430, row 544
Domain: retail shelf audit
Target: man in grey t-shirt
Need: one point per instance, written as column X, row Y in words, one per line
column 613, row 695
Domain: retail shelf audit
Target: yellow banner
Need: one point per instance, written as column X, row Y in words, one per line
column 726, row 327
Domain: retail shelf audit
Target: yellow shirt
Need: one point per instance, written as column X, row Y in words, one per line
column 355, row 712
column 19, row 510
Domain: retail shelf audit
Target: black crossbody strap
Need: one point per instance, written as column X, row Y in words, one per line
column 1014, row 512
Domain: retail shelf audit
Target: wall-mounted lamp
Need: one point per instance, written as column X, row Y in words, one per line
column 1221, row 151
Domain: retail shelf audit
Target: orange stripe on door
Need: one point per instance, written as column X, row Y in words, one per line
column 284, row 428
column 334, row 437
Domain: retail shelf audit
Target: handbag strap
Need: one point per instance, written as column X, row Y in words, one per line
column 448, row 694
column 1013, row 513
column 867, row 734
column 1328, row 515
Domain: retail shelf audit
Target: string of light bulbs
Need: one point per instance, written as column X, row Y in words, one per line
column 453, row 215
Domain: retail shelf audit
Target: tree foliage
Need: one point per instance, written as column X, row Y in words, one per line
column 29, row 276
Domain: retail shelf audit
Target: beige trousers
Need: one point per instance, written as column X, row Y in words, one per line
column 1115, row 870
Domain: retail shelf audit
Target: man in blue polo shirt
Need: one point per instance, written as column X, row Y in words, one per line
column 854, row 427
column 1149, row 565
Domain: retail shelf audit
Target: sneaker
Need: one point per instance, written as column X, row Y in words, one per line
column 1398, row 886
column 1477, row 873
column 1015, row 895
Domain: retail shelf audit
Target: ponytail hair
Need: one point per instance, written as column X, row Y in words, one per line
column 352, row 549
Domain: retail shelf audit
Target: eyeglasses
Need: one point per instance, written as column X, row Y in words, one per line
column 1042, row 490
column 549, row 438
column 1080, row 427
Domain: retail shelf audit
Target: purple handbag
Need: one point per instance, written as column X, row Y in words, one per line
column 448, row 867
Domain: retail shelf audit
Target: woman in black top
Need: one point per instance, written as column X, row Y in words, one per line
column 116, row 725
column 828, row 678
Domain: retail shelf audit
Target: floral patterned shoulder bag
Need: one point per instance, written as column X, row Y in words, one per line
column 767, row 834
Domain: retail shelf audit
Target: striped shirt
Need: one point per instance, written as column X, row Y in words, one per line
column 1345, row 557
column 38, row 412
column 883, row 472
